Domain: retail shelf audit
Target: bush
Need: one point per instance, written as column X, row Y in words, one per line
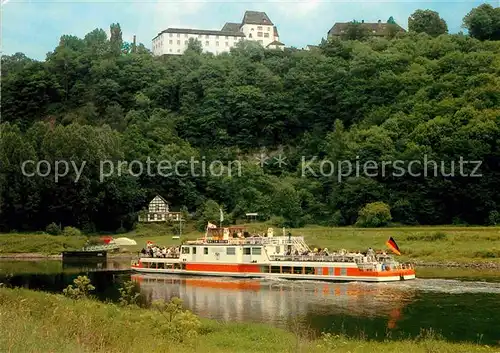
column 375, row 214
column 494, row 218
column 80, row 288
column 182, row 324
column 278, row 221
column 71, row 232
column 53, row 229
column 130, row 294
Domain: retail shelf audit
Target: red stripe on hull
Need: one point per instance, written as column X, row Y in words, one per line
column 223, row 268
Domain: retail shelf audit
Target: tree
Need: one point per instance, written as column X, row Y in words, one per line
column 355, row 31
column 116, row 40
column 427, row 21
column 194, row 46
column 483, row 22
column 375, row 214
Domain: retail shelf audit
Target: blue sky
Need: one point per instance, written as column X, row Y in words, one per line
column 34, row 27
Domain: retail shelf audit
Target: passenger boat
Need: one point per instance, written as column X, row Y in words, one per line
column 286, row 257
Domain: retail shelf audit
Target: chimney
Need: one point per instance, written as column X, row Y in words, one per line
column 362, row 21
column 379, row 21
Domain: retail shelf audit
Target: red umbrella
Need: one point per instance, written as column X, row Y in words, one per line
column 107, row 239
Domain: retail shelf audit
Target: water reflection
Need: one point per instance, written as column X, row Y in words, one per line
column 282, row 303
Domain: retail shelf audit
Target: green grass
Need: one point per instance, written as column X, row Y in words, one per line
column 41, row 322
column 426, row 244
column 39, row 243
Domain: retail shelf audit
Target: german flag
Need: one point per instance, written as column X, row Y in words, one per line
column 391, row 243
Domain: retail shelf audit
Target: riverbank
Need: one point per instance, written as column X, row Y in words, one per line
column 41, row 322
column 443, row 246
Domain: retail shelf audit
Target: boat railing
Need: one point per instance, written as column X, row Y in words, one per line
column 284, row 240
column 106, row 247
column 167, row 256
column 358, row 258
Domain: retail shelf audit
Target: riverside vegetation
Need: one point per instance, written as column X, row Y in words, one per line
column 36, row 321
column 404, row 97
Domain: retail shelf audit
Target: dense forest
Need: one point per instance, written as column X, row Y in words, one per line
column 410, row 96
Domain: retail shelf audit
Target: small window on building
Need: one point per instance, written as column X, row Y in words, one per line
column 178, row 42
column 171, row 35
column 170, row 42
column 252, row 29
column 231, row 251
column 269, row 29
column 178, row 35
column 227, row 44
column 205, row 251
column 185, row 35
column 178, row 50
column 185, row 42
column 170, row 50
column 207, row 36
column 216, row 44
column 194, row 250
column 266, row 35
column 246, row 251
column 256, row 251
column 185, row 250
column 216, row 37
column 259, row 28
column 259, row 34
column 227, row 37
column 206, row 43
column 250, row 35
column 199, row 35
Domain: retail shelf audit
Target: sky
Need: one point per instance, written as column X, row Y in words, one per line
column 34, row 27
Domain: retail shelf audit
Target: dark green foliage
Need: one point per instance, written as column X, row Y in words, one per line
column 483, row 22
column 427, row 21
column 53, row 229
column 403, row 99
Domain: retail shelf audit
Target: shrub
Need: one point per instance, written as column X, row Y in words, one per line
column 71, row 232
column 130, row 294
column 278, row 221
column 53, row 229
column 80, row 288
column 494, row 218
column 182, row 324
column 375, row 214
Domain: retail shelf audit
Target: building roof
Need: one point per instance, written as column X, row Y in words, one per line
column 202, row 32
column 231, row 27
column 275, row 31
column 256, row 18
column 161, row 198
column 377, row 29
column 275, row 43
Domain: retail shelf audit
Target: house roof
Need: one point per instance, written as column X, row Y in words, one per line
column 159, row 196
column 256, row 18
column 231, row 27
column 375, row 28
column 276, row 31
column 275, row 43
column 202, row 32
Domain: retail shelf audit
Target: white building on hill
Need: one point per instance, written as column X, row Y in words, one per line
column 255, row 26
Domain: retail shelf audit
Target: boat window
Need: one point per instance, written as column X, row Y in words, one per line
column 343, row 271
column 185, row 250
column 246, row 251
column 231, row 251
column 309, row 270
column 205, row 251
column 194, row 250
column 297, row 270
column 161, row 265
column 256, row 251
column 286, row 269
column 275, row 269
column 278, row 249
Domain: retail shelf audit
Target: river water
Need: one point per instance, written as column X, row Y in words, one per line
column 463, row 307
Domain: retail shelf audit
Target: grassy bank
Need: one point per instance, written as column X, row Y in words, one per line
column 40, row 322
column 442, row 244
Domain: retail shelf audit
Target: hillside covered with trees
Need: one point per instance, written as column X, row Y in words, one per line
column 377, row 99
